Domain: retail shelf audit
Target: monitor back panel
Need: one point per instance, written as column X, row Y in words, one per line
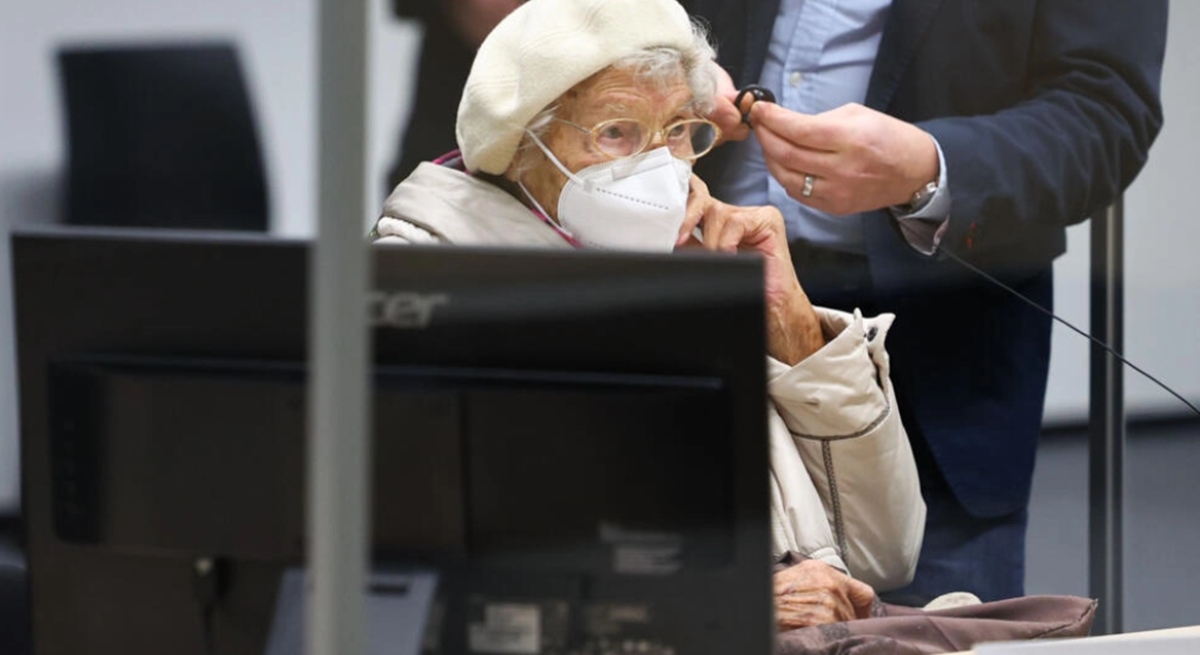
column 163, row 412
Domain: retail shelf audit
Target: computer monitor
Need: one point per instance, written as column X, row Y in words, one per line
column 578, row 434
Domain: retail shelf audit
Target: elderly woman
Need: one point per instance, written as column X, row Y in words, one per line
column 578, row 127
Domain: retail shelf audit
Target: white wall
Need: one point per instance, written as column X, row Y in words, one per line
column 1162, row 295
column 277, row 43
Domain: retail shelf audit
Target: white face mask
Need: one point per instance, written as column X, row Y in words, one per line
column 636, row 203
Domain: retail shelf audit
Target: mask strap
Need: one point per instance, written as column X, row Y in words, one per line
column 536, row 205
column 554, row 160
column 542, row 214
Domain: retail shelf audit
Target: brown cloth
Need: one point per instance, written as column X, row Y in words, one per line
column 898, row 630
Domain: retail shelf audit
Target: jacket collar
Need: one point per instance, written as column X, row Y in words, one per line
column 464, row 210
column 760, row 23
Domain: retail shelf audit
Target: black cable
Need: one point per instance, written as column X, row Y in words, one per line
column 206, row 631
column 206, row 587
column 758, row 93
column 1054, row 316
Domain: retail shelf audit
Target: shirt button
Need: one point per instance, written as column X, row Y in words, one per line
column 795, row 78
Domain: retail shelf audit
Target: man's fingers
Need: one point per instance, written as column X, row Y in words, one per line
column 796, row 146
column 785, row 154
column 793, row 181
column 830, row 187
column 820, row 132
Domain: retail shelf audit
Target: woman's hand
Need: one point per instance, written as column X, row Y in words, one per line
column 814, row 593
column 793, row 329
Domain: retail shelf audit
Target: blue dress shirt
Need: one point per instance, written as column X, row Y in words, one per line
column 821, row 56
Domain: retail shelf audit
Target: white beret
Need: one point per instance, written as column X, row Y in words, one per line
column 541, row 50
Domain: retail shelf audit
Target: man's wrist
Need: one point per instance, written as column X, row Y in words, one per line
column 920, row 199
column 931, row 199
column 928, row 171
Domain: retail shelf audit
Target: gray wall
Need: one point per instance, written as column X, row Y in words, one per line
column 1162, row 535
column 277, row 38
column 1162, row 299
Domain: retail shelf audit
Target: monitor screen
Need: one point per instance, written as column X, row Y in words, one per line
column 578, row 433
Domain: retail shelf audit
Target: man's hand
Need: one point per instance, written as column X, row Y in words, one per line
column 814, row 593
column 861, row 159
column 793, row 329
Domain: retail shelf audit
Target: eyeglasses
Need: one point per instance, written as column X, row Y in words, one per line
column 688, row 139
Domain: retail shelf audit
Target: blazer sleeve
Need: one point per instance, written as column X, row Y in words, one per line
column 1078, row 137
column 841, row 412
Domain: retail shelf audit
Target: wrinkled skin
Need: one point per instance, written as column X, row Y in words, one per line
column 861, row 159
column 793, row 329
column 814, row 593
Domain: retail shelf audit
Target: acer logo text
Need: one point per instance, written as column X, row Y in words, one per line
column 405, row 309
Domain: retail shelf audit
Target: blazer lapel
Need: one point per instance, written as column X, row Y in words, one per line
column 908, row 20
column 760, row 19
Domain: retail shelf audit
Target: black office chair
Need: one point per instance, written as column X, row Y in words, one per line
column 161, row 136
column 14, row 591
column 14, row 611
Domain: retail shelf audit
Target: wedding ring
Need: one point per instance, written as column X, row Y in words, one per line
column 809, row 183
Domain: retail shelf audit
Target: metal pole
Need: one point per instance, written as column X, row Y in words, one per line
column 338, row 448
column 1106, row 451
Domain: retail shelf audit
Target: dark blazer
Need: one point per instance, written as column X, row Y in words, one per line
column 1045, row 111
column 443, row 65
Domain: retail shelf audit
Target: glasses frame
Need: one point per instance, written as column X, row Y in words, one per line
column 661, row 133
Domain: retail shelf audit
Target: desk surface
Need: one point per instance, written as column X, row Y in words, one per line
column 1172, row 632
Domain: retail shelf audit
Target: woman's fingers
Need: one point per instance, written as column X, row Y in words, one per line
column 727, row 117
column 699, row 202
column 861, row 596
column 814, row 607
column 814, row 593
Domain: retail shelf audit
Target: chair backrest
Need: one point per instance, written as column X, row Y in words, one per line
column 14, row 610
column 161, row 136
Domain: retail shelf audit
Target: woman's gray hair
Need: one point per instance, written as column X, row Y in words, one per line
column 661, row 66
column 658, row 66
